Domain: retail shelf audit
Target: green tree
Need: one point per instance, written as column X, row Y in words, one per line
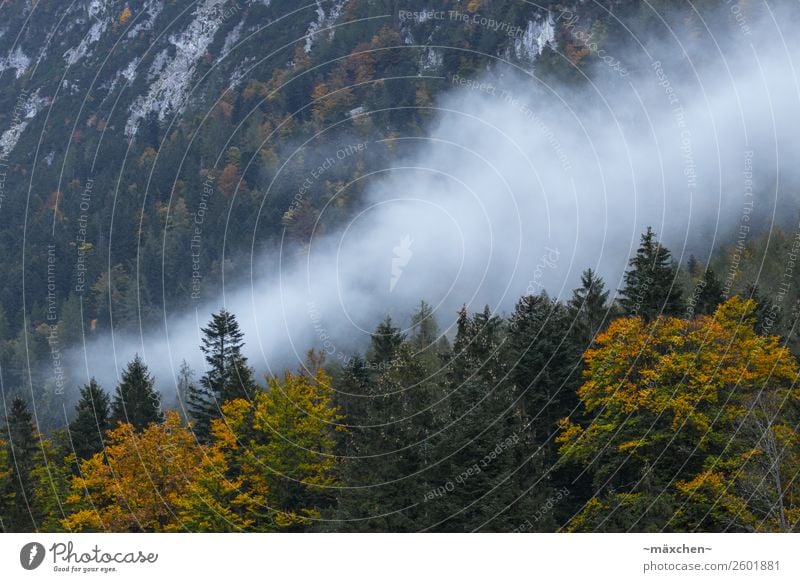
column 482, row 476
column 710, row 294
column 385, row 341
column 22, row 441
column 588, row 308
column 651, row 284
column 185, row 386
column 52, row 476
column 92, row 420
column 136, row 400
column 228, row 375
column 6, row 488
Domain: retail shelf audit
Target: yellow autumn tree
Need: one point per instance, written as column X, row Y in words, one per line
column 281, row 447
column 219, row 498
column 6, row 475
column 138, row 484
column 125, row 15
column 685, row 418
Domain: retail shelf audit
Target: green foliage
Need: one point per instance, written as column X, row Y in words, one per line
column 136, row 401
column 651, row 284
column 228, row 375
column 21, row 444
column 92, row 420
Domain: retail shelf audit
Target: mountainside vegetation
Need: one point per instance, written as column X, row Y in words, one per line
column 149, row 149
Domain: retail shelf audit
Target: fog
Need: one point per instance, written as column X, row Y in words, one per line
column 518, row 187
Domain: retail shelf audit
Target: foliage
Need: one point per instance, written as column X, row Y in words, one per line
column 136, row 401
column 140, row 480
column 228, row 376
column 668, row 402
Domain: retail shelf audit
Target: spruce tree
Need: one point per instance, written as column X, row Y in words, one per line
column 710, row 295
column 22, row 440
column 692, row 266
column 767, row 314
column 588, row 308
column 651, row 283
column 91, row 421
column 385, row 341
column 228, row 375
column 482, row 474
column 136, row 400
column 185, row 386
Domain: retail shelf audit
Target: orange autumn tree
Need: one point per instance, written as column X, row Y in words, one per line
column 140, row 480
column 689, row 426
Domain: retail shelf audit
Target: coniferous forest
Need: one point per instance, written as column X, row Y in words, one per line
column 656, row 412
column 379, row 266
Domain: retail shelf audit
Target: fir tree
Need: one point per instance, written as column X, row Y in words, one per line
column 136, row 401
column 482, row 473
column 228, row 375
column 22, row 441
column 91, row 421
column 693, row 266
column 767, row 315
column 385, row 340
column 184, row 386
column 651, row 285
column 710, row 295
column 588, row 308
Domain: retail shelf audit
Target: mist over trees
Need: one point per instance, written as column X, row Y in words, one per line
column 588, row 415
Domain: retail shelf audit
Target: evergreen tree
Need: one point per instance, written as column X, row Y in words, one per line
column 692, row 266
column 384, row 343
column 6, row 488
column 482, row 474
column 136, row 400
column 710, row 295
column 228, row 375
column 390, row 449
column 424, row 328
column 22, row 441
column 52, row 478
column 185, row 386
column 425, row 337
column 767, row 315
column 91, row 421
column 651, row 285
column 588, row 308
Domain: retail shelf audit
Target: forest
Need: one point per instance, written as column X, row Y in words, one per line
column 160, row 158
column 672, row 407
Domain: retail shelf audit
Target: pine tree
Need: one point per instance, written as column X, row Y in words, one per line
column 228, row 375
column 91, row 421
column 651, row 285
column 136, row 400
column 22, row 441
column 588, row 308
